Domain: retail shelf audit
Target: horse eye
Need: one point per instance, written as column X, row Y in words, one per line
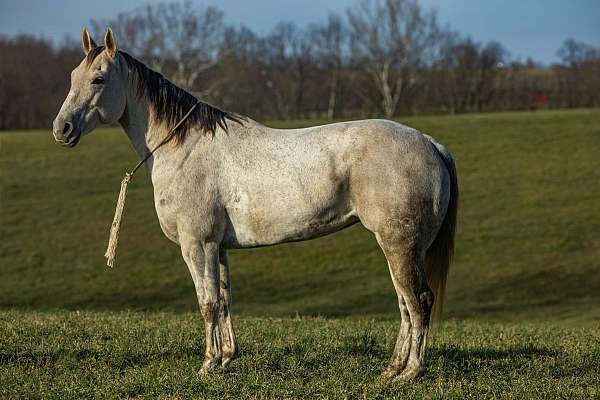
column 98, row 80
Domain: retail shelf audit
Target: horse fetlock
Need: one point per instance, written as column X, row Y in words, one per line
column 209, row 365
column 230, row 353
column 395, row 367
column 389, row 373
column 411, row 372
column 394, row 373
column 412, row 369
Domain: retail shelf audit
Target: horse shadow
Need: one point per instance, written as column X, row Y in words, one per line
column 443, row 360
column 460, row 361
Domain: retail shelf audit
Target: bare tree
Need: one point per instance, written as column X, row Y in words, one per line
column 30, row 95
column 330, row 40
column 242, row 63
column 288, row 55
column 391, row 40
column 466, row 72
column 579, row 77
column 455, row 71
column 573, row 52
column 491, row 61
column 178, row 39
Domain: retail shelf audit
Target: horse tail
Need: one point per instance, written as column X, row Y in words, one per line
column 439, row 255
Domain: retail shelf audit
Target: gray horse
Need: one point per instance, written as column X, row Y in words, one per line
column 228, row 182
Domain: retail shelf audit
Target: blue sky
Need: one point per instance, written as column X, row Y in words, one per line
column 527, row 28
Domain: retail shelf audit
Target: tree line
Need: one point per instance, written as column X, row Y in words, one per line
column 380, row 58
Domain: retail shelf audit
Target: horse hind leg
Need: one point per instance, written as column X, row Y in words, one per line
column 402, row 347
column 399, row 242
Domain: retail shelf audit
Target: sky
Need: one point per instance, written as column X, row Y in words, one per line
column 526, row 28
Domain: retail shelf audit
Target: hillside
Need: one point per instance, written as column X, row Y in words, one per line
column 527, row 244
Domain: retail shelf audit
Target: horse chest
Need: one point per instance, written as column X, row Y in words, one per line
column 167, row 217
column 186, row 201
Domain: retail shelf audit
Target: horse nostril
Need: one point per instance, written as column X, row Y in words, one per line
column 67, row 128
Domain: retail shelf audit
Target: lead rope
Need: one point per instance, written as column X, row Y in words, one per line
column 111, row 251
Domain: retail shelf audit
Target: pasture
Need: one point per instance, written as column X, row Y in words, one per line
column 523, row 300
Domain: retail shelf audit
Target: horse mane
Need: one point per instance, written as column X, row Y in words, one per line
column 169, row 102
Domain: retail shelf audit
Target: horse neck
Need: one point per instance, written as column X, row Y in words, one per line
column 143, row 134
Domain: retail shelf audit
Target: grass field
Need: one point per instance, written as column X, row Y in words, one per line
column 76, row 355
column 523, row 300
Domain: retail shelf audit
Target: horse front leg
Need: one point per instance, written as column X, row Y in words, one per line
column 203, row 263
column 225, row 325
column 209, row 308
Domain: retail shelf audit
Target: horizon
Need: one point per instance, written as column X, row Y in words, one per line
column 483, row 22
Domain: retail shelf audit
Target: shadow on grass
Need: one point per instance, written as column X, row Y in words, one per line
column 119, row 361
column 449, row 361
column 483, row 354
column 459, row 361
column 509, row 309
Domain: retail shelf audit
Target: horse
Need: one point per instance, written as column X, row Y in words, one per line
column 229, row 182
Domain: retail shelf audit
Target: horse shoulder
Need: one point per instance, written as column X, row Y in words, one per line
column 185, row 194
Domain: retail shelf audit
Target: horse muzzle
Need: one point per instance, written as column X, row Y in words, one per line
column 63, row 133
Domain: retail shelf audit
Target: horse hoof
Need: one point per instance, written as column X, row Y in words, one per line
column 388, row 374
column 409, row 374
column 208, row 367
column 225, row 363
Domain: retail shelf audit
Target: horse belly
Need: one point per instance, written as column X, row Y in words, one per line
column 288, row 219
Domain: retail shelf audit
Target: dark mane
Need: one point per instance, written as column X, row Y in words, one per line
column 169, row 102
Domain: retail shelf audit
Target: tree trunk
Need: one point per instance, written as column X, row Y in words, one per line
column 332, row 95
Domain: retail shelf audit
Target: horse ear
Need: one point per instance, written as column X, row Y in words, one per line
column 88, row 42
column 110, row 43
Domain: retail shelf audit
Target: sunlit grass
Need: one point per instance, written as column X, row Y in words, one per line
column 128, row 354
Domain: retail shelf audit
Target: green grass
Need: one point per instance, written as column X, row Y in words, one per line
column 523, row 299
column 117, row 355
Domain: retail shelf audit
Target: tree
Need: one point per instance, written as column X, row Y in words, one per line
column 580, row 76
column 241, row 64
column 467, row 72
column 391, row 40
column 178, row 39
column 288, row 55
column 330, row 40
column 574, row 53
column 34, row 79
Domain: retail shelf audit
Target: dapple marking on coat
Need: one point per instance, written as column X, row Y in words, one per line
column 229, row 182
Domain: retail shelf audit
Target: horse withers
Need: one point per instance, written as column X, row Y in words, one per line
column 228, row 182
